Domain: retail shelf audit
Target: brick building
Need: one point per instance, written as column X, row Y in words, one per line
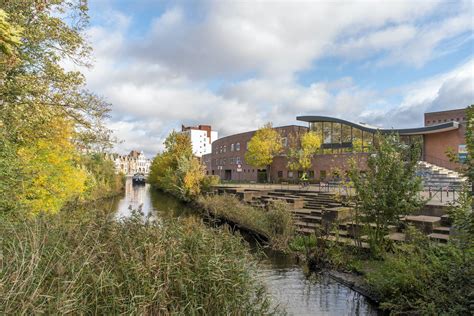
column 343, row 141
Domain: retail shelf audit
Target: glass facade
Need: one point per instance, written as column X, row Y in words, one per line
column 340, row 138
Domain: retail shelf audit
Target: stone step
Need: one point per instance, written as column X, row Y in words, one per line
column 306, row 224
column 398, row 237
column 346, row 241
column 423, row 222
column 311, row 219
column 305, row 231
column 443, row 238
column 446, row 220
column 442, row 230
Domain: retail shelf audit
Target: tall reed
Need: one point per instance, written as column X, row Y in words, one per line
column 89, row 264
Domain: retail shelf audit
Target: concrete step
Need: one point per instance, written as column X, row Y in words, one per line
column 398, row 237
column 443, row 238
column 423, row 222
column 442, row 230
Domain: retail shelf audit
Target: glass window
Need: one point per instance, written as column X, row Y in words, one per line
column 327, row 132
column 290, row 174
column 357, row 140
column 336, row 132
column 346, row 132
column 231, row 147
column 237, row 146
column 284, row 141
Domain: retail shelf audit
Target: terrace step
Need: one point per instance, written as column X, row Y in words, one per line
column 439, row 237
column 423, row 222
column 398, row 237
column 442, row 230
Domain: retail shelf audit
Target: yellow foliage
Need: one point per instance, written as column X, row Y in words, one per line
column 300, row 157
column 263, row 147
column 54, row 176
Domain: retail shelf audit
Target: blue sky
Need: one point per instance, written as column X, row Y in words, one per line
column 238, row 64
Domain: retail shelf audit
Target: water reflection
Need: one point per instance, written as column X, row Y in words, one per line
column 150, row 202
column 284, row 279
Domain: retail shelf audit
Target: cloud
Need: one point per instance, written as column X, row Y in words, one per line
column 235, row 65
column 275, row 39
column 451, row 90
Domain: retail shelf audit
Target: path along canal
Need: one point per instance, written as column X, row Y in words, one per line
column 285, row 280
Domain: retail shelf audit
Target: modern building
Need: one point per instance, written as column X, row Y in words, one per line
column 343, row 142
column 134, row 162
column 202, row 136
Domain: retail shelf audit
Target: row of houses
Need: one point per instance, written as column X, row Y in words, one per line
column 134, row 162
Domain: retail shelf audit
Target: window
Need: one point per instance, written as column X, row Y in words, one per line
column 322, row 175
column 290, row 174
column 231, row 147
column 237, row 160
column 247, row 145
column 280, row 174
column 284, row 141
column 327, row 132
column 311, row 174
column 237, row 147
column 225, row 148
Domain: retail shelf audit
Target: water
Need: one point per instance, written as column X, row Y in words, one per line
column 286, row 281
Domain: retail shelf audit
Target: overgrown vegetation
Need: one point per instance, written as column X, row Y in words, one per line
column 177, row 171
column 276, row 223
column 420, row 277
column 76, row 263
column 387, row 189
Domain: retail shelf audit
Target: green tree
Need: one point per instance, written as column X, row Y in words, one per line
column 263, row 147
column 388, row 188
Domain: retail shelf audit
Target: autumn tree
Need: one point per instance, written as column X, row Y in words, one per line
column 39, row 97
column 303, row 147
column 176, row 170
column 263, row 147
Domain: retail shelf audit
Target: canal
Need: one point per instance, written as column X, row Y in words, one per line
column 289, row 286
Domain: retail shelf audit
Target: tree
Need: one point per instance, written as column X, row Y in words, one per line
column 263, row 147
column 176, row 170
column 46, row 111
column 302, row 150
column 388, row 188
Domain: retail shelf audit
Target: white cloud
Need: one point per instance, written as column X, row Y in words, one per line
column 163, row 79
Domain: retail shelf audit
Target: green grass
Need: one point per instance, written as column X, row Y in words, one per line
column 276, row 223
column 88, row 264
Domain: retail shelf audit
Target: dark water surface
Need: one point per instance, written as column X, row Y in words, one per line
column 286, row 281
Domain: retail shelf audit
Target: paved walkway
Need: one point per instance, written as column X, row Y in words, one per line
column 434, row 198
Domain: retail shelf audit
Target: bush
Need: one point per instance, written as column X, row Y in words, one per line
column 66, row 263
column 426, row 279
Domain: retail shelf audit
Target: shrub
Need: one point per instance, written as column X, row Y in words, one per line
column 90, row 265
column 423, row 278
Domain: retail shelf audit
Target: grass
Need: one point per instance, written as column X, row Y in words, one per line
column 276, row 223
column 88, row 264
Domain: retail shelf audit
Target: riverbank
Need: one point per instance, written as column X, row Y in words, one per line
column 85, row 263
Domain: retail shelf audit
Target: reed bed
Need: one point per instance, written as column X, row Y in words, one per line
column 276, row 223
column 89, row 264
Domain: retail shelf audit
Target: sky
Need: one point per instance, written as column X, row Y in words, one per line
column 236, row 65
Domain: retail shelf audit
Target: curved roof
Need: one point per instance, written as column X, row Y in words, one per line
column 401, row 131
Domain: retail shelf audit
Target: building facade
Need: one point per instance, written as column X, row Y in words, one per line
column 342, row 143
column 202, row 136
column 134, row 162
